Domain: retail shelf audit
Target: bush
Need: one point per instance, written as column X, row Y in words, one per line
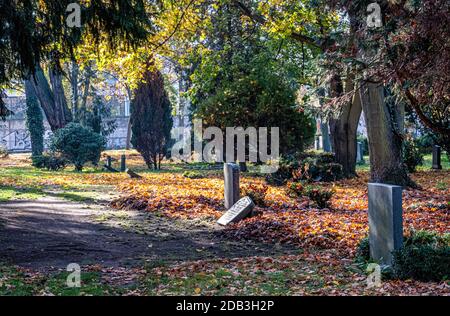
column 295, row 189
column 257, row 192
column 78, row 145
column 306, row 167
column 3, row 152
column 319, row 195
column 287, row 165
column 412, row 157
column 318, row 167
column 49, row 162
column 424, row 256
column 192, row 175
column 363, row 251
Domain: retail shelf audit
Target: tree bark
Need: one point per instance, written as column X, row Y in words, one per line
column 61, row 107
column 74, row 72
column 384, row 128
column 55, row 111
column 344, row 128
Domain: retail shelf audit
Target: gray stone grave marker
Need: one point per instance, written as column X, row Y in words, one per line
column 359, row 152
column 133, row 175
column 123, row 163
column 237, row 212
column 231, row 175
column 385, row 221
column 437, row 157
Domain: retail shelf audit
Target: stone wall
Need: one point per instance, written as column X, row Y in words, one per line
column 15, row 137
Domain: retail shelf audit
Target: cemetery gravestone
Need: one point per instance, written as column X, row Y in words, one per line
column 231, row 190
column 133, row 175
column 385, row 221
column 359, row 153
column 437, row 157
column 123, row 163
column 109, row 161
column 237, row 212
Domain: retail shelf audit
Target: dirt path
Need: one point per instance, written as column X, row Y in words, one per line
column 51, row 233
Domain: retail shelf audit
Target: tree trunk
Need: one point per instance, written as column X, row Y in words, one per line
column 128, row 141
column 129, row 131
column 384, row 128
column 61, row 106
column 74, row 72
column 56, row 115
column 344, row 128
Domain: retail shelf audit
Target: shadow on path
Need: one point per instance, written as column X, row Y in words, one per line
column 51, row 233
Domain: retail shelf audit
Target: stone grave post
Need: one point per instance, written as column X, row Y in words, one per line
column 437, row 157
column 385, row 221
column 231, row 189
column 123, row 163
column 359, row 152
column 109, row 161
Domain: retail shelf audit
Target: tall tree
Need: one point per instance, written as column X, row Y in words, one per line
column 34, row 120
column 151, row 119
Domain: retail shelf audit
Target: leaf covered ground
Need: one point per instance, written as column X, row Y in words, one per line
column 326, row 238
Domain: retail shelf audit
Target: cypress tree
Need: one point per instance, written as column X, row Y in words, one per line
column 34, row 120
column 151, row 119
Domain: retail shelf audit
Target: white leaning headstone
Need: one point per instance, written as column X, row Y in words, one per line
column 385, row 221
column 237, row 212
column 231, row 189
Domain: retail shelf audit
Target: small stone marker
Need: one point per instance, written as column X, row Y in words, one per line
column 359, row 153
column 317, row 143
column 385, row 221
column 123, row 163
column 133, row 175
column 231, row 175
column 108, row 162
column 237, row 212
column 437, row 157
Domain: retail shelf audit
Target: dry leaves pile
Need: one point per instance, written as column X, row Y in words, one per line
column 288, row 220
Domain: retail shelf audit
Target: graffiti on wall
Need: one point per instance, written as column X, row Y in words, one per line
column 18, row 140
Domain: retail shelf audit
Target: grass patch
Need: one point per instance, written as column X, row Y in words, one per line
column 8, row 193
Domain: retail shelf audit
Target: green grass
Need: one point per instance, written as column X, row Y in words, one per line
column 427, row 164
column 223, row 281
column 14, row 282
column 10, row 193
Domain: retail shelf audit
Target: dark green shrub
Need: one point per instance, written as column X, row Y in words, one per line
column 287, row 165
column 3, row 152
column 363, row 250
column 319, row 195
column 295, row 189
column 257, row 192
column 319, row 168
column 412, row 156
column 49, row 162
column 192, row 175
column 306, row 166
column 424, row 256
column 78, row 145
